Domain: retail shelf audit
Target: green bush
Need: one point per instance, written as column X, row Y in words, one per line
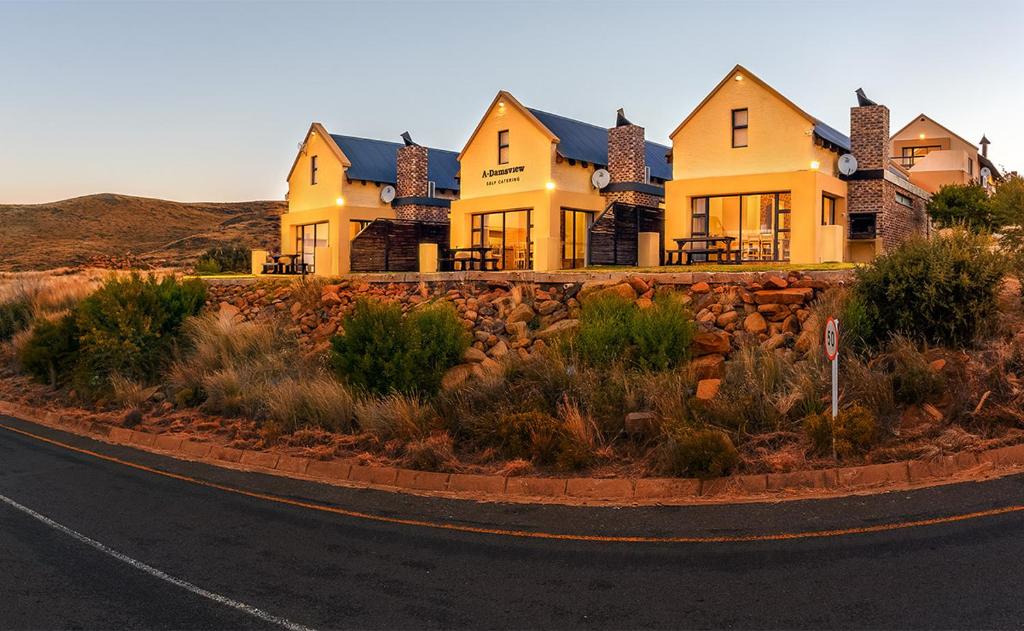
column 613, row 329
column 50, row 350
column 940, row 291
column 380, row 351
column 230, row 257
column 964, row 205
column 603, row 335
column 855, row 430
column 15, row 316
column 913, row 379
column 662, row 334
column 697, row 452
column 130, row 327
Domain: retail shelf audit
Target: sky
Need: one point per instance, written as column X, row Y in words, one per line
column 203, row 101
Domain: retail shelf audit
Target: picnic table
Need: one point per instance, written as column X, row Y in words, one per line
column 683, row 255
column 477, row 259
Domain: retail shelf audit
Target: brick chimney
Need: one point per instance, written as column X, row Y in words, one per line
column 871, row 193
column 411, row 183
column 627, row 163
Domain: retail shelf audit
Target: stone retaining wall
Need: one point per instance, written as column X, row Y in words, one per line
column 520, row 313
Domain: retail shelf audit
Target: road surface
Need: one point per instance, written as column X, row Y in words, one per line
column 90, row 542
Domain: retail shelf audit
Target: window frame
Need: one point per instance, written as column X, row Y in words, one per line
column 567, row 215
column 313, row 169
column 900, row 197
column 745, row 126
column 476, row 231
column 431, row 188
column 832, row 201
column 503, row 145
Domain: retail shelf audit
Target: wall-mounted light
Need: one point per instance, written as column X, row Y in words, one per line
column 738, row 77
column 550, row 186
column 921, row 136
column 340, row 201
column 814, row 165
column 501, row 103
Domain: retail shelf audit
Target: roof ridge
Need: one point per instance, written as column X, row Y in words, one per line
column 388, row 142
column 578, row 121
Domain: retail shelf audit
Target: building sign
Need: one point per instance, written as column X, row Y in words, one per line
column 502, row 176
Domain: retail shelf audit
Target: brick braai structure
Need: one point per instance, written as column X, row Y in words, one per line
column 411, row 200
column 627, row 163
column 878, row 188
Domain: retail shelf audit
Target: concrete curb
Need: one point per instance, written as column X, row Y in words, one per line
column 876, row 478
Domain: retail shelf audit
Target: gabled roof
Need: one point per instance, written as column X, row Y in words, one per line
column 589, row 143
column 937, row 124
column 825, row 132
column 376, row 161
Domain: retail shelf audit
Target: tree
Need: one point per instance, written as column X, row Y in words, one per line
column 1008, row 204
column 966, row 205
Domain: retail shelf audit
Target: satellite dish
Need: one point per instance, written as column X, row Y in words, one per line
column 847, row 164
column 986, row 173
column 600, row 178
column 387, row 194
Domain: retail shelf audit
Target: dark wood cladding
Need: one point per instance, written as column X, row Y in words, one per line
column 392, row 245
column 614, row 235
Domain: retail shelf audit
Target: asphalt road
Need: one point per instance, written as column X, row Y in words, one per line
column 90, row 543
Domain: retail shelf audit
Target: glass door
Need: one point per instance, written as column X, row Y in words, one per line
column 308, row 238
column 575, row 226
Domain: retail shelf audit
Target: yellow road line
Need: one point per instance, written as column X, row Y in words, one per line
column 529, row 534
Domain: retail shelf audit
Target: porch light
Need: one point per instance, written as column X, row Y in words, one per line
column 921, row 136
column 739, row 77
column 550, row 186
column 815, row 164
column 340, row 201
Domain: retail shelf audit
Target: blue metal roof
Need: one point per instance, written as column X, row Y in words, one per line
column 376, row 161
column 832, row 135
column 589, row 143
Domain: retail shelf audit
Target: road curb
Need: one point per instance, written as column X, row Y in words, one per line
column 854, row 480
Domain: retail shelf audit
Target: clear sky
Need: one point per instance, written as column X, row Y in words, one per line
column 206, row 102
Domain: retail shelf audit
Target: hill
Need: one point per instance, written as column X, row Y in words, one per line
column 154, row 232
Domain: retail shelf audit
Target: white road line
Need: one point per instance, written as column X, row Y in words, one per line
column 152, row 571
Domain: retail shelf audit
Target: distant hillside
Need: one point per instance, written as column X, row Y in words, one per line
column 157, row 232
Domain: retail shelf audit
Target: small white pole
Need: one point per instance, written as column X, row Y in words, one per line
column 835, row 378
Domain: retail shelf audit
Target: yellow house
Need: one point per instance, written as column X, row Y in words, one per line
column 528, row 192
column 935, row 156
column 339, row 184
column 752, row 168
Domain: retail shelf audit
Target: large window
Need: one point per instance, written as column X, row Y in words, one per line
column 575, row 227
column 740, row 122
column 503, row 146
column 828, row 210
column 910, row 155
column 758, row 225
column 307, row 239
column 507, row 234
column 312, row 169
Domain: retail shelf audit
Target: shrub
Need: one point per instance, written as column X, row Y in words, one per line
column 433, row 453
column 130, row 394
column 662, row 334
column 963, row 205
column 853, row 432
column 130, row 327
column 603, row 333
column 697, row 452
column 230, row 257
column 15, row 316
column 940, row 291
column 612, row 329
column 380, row 351
column 50, row 349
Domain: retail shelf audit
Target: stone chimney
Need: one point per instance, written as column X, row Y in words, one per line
column 627, row 164
column 869, row 136
column 411, row 184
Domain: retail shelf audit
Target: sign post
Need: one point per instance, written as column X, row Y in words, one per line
column 832, row 352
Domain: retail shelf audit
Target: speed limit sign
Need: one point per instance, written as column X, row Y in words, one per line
column 832, row 352
column 831, row 339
